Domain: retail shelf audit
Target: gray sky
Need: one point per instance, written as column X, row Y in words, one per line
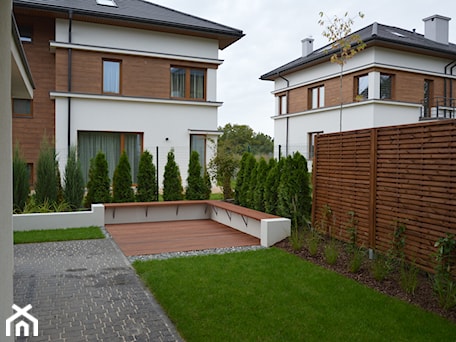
column 274, row 30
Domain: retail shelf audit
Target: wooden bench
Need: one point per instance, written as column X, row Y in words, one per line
column 266, row 227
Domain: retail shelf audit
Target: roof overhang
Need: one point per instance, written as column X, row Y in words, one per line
column 21, row 77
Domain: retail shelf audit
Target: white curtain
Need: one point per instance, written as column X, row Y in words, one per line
column 111, row 77
column 197, row 84
column 177, row 82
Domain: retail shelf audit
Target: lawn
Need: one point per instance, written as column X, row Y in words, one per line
column 270, row 295
column 52, row 235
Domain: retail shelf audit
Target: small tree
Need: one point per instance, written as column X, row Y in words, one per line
column 74, row 181
column 260, row 186
column 343, row 44
column 207, row 185
column 172, row 181
column 98, row 185
column 121, row 182
column 224, row 166
column 21, row 186
column 147, row 182
column 247, row 170
column 195, row 182
column 271, row 185
column 46, row 188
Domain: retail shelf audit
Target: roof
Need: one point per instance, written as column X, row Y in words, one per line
column 140, row 11
column 373, row 34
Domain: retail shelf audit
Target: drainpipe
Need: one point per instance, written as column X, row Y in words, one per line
column 70, row 53
column 452, row 104
column 445, row 93
column 288, row 118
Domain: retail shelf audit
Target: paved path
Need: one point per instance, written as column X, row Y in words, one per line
column 86, row 291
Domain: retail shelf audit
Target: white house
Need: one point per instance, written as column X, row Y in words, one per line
column 400, row 77
column 119, row 75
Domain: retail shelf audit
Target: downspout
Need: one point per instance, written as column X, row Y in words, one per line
column 70, row 53
column 452, row 104
column 288, row 118
column 445, row 92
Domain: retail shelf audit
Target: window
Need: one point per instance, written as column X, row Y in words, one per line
column 283, row 104
column 188, row 83
column 386, row 86
column 362, row 88
column 311, row 137
column 111, row 144
column 111, row 76
column 198, row 144
column 317, row 97
column 22, row 107
column 109, row 3
column 25, row 33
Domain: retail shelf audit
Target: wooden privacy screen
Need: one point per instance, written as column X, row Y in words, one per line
column 386, row 175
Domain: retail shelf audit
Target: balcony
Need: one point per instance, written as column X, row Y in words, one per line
column 438, row 108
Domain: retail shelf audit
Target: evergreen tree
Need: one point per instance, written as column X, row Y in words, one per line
column 172, row 181
column 74, row 181
column 249, row 168
column 46, row 188
column 98, row 185
column 207, row 185
column 195, row 182
column 21, row 186
column 271, row 185
column 238, row 195
column 252, row 181
column 121, row 182
column 147, row 182
column 260, row 186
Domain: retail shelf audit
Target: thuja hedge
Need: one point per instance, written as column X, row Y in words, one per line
column 281, row 188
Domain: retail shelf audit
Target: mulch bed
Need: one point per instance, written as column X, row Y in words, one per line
column 424, row 296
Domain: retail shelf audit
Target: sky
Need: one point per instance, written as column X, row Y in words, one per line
column 273, row 33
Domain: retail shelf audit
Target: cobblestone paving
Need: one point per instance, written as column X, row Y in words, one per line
column 86, row 291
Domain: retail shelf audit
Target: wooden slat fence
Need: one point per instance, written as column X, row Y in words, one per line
column 387, row 175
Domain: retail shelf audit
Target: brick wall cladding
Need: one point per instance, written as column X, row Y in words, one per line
column 29, row 131
column 407, row 87
column 386, row 175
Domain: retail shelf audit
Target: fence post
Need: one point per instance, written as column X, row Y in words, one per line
column 373, row 192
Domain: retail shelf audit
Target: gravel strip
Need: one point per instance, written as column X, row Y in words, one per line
column 211, row 251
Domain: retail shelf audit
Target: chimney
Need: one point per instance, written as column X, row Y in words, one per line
column 436, row 28
column 307, row 46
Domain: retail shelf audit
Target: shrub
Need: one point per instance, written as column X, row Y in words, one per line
column 312, row 242
column 98, row 185
column 46, row 188
column 74, row 181
column 409, row 278
column 380, row 267
column 121, row 182
column 331, row 252
column 21, row 186
column 271, row 185
column 172, row 182
column 444, row 283
column 248, row 168
column 224, row 166
column 147, row 182
column 195, row 189
column 260, row 186
column 208, row 186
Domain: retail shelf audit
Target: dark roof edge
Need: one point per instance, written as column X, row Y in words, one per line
column 228, row 32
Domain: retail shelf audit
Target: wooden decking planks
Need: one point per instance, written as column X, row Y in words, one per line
column 176, row 236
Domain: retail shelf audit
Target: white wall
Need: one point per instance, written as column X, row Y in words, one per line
column 136, row 39
column 164, row 124
column 6, row 231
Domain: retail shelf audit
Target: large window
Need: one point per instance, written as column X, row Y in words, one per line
column 362, row 87
column 317, row 97
column 386, row 86
column 111, row 144
column 283, row 104
column 22, row 107
column 198, row 144
column 188, row 83
column 111, row 76
column 311, row 144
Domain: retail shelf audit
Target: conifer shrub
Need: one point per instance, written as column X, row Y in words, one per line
column 195, row 189
column 122, row 191
column 271, row 185
column 46, row 187
column 21, row 186
column 74, row 181
column 246, row 170
column 172, row 181
column 147, row 180
column 238, row 195
column 98, row 186
column 260, row 186
column 207, row 185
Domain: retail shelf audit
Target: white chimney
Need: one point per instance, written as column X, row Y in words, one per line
column 307, row 46
column 436, row 28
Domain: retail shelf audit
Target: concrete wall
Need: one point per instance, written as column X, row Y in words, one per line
column 6, row 232
column 94, row 217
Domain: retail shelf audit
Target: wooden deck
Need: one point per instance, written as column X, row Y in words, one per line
column 176, row 236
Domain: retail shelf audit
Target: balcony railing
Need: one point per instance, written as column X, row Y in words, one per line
column 438, row 108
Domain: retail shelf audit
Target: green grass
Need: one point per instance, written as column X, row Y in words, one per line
column 270, row 295
column 51, row 235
